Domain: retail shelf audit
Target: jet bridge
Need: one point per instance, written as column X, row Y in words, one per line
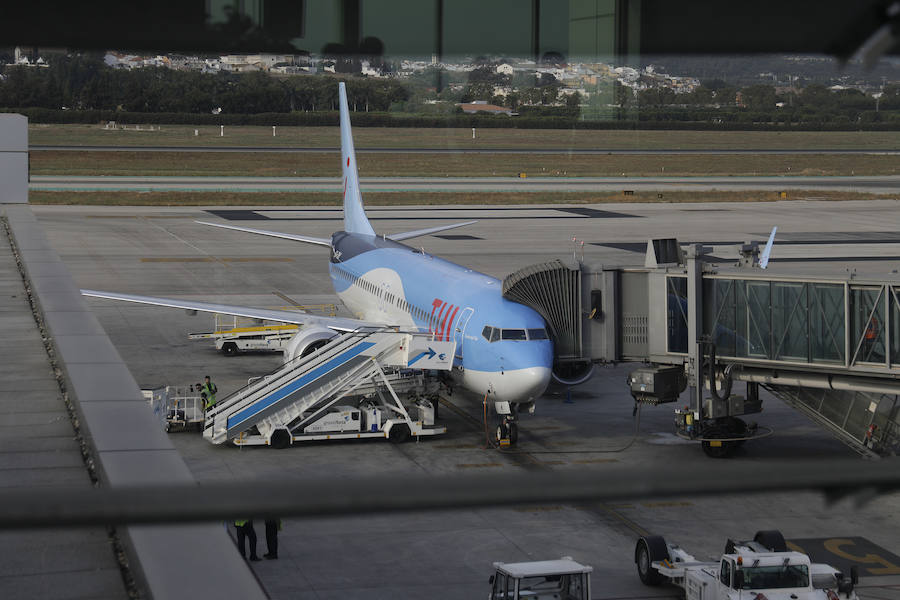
column 292, row 401
column 828, row 346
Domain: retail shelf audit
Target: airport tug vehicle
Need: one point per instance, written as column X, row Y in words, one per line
column 562, row 579
column 760, row 569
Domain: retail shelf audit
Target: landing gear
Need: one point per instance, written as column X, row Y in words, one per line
column 507, row 431
column 719, row 439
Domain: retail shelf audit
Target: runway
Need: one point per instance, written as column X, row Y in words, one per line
column 336, row 150
column 887, row 184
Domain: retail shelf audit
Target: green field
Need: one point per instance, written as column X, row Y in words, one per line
column 379, row 137
column 316, row 164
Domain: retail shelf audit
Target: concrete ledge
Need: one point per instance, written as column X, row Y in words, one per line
column 13, row 159
column 128, row 444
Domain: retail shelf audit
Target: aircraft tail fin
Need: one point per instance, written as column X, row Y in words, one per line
column 764, row 258
column 355, row 220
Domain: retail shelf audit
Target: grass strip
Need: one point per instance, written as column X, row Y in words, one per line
column 374, row 199
column 249, row 164
column 456, row 138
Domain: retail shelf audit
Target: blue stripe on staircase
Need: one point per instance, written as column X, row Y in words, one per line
column 295, row 385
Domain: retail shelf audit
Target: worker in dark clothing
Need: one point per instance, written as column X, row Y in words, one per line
column 273, row 526
column 245, row 530
column 208, row 392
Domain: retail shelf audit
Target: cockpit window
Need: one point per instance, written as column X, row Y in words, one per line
column 487, row 332
column 513, row 334
column 537, row 334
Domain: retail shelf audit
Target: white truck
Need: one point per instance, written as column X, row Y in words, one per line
column 254, row 336
column 759, row 569
column 562, row 579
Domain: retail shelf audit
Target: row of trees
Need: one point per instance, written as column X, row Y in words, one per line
column 84, row 83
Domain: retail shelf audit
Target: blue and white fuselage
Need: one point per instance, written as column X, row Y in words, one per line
column 502, row 347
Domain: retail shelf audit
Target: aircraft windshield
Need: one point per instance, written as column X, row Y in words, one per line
column 513, row 334
column 537, row 334
column 766, row 578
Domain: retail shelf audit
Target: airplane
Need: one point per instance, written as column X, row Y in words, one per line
column 503, row 351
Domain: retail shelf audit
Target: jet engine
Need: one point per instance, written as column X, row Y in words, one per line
column 308, row 340
column 572, row 372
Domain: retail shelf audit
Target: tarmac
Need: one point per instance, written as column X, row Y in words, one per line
column 449, row 554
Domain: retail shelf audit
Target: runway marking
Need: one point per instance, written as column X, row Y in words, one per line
column 530, row 509
column 182, row 240
column 208, row 259
column 179, row 259
column 844, row 552
column 457, row 446
column 137, row 216
column 609, row 510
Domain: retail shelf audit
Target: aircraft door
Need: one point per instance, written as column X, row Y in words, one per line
column 460, row 331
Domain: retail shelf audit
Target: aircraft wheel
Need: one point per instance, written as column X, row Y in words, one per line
column 720, row 449
column 513, row 433
column 649, row 549
column 771, row 539
column 399, row 434
column 281, row 439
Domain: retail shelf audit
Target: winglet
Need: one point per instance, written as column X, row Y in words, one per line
column 764, row 258
column 355, row 220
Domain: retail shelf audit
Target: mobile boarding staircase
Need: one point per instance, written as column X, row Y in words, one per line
column 275, row 410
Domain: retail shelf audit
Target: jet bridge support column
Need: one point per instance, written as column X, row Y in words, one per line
column 694, row 260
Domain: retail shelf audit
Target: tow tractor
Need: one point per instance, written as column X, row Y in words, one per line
column 562, row 579
column 764, row 567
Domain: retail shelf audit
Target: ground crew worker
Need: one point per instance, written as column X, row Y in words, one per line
column 273, row 526
column 244, row 528
column 208, row 390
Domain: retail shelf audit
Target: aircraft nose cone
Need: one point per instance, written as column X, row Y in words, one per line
column 523, row 385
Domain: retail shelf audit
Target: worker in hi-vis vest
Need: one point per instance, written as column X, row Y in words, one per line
column 208, row 390
column 245, row 530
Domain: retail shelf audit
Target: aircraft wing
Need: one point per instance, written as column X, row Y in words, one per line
column 278, row 234
column 399, row 237
column 285, row 316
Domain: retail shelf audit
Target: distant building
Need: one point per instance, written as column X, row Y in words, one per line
column 481, row 106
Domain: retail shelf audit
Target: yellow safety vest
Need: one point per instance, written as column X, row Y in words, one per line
column 210, row 394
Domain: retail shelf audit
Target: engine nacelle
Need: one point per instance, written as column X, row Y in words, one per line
column 307, row 340
column 572, row 373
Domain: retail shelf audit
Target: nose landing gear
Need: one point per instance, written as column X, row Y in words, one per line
column 507, row 431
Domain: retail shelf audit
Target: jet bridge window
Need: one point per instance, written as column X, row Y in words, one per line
column 676, row 314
